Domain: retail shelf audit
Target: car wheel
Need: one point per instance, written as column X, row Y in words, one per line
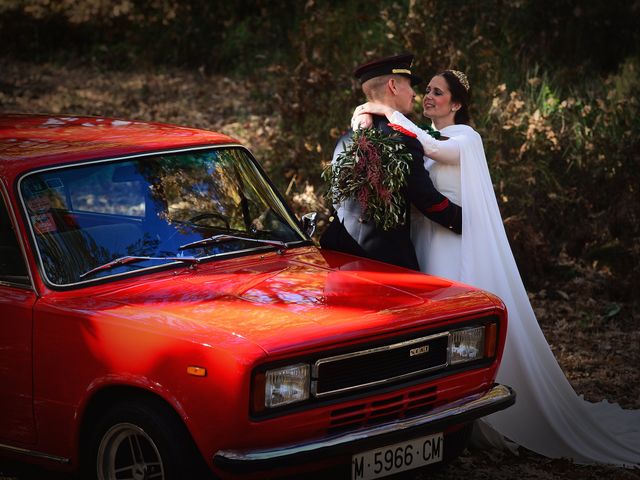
column 128, row 450
column 142, row 440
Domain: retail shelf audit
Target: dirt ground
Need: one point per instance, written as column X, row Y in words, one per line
column 596, row 341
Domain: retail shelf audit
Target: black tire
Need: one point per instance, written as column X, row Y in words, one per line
column 145, row 437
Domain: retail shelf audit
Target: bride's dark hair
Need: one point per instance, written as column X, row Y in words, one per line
column 459, row 94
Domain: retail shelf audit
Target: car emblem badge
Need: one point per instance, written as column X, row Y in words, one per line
column 418, row 350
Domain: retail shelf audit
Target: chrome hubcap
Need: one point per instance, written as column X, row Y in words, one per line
column 126, row 452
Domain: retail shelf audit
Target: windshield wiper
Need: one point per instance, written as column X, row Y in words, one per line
column 132, row 259
column 226, row 238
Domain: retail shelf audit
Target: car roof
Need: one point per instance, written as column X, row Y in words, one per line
column 32, row 141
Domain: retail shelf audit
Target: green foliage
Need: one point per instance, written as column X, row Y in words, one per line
column 373, row 170
column 566, row 168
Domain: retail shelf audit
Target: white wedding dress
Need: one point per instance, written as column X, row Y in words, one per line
column 548, row 417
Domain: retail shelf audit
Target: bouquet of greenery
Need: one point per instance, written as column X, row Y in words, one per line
column 372, row 169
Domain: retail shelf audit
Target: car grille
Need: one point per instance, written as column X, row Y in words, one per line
column 413, row 402
column 380, row 365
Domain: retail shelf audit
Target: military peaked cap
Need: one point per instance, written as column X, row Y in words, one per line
column 397, row 64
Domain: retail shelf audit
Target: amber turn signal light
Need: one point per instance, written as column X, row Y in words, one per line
column 197, row 371
column 491, row 340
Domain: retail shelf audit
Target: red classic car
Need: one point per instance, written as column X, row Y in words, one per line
column 163, row 314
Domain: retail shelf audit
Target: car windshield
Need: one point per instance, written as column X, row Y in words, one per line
column 200, row 205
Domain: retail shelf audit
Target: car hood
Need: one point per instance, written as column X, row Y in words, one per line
column 291, row 301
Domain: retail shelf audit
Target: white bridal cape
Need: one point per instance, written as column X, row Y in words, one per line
column 548, row 416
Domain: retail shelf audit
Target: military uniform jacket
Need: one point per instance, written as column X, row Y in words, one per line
column 351, row 232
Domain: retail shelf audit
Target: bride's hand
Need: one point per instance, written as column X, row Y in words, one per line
column 362, row 115
column 361, row 120
column 374, row 108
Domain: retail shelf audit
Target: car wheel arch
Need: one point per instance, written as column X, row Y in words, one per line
column 106, row 398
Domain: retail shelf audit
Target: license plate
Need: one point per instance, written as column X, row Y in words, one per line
column 397, row 458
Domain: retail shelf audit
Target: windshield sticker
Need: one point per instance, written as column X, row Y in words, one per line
column 39, row 204
column 39, row 192
column 35, row 186
column 43, row 223
column 54, row 183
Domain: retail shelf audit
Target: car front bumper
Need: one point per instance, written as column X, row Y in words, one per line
column 461, row 411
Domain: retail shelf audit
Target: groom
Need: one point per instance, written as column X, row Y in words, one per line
column 389, row 81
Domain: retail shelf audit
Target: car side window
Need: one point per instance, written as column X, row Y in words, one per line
column 12, row 266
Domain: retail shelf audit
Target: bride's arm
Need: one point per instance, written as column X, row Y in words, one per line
column 443, row 151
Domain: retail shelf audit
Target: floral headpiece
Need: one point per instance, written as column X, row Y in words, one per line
column 462, row 78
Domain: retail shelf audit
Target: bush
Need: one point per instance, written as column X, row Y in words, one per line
column 568, row 163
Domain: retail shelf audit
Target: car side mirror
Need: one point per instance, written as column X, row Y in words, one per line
column 309, row 223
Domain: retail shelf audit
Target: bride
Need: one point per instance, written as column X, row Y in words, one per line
column 549, row 417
